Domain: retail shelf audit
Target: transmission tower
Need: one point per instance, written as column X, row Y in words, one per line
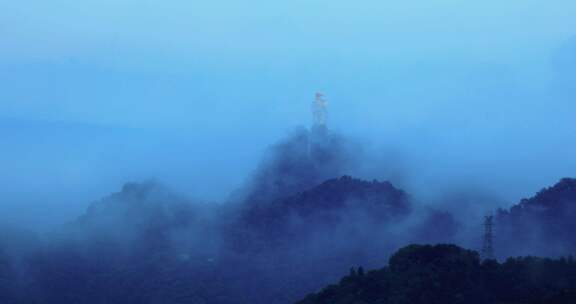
column 488, row 244
column 319, row 110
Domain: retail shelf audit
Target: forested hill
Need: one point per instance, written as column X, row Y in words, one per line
column 330, row 203
column 447, row 274
column 276, row 250
column 543, row 225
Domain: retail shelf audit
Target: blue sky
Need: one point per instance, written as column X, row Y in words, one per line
column 98, row 92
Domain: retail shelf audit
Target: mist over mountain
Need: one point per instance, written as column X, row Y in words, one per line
column 253, row 152
column 146, row 216
column 297, row 224
column 541, row 225
column 304, row 159
column 327, row 204
column 147, row 237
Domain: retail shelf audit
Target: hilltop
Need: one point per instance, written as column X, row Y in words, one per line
column 542, row 224
column 448, row 274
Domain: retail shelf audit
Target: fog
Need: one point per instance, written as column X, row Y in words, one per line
column 441, row 97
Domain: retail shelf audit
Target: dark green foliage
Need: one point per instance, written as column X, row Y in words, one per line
column 447, row 274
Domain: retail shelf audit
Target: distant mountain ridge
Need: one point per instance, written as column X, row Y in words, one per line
column 277, row 248
column 561, row 195
column 351, row 208
column 378, row 198
column 541, row 225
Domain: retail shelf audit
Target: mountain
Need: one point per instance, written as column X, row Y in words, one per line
column 541, row 225
column 139, row 214
column 139, row 203
column 447, row 274
column 359, row 221
column 146, row 244
column 302, row 160
column 332, row 202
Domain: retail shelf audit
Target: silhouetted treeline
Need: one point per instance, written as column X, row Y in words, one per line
column 542, row 225
column 447, row 274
